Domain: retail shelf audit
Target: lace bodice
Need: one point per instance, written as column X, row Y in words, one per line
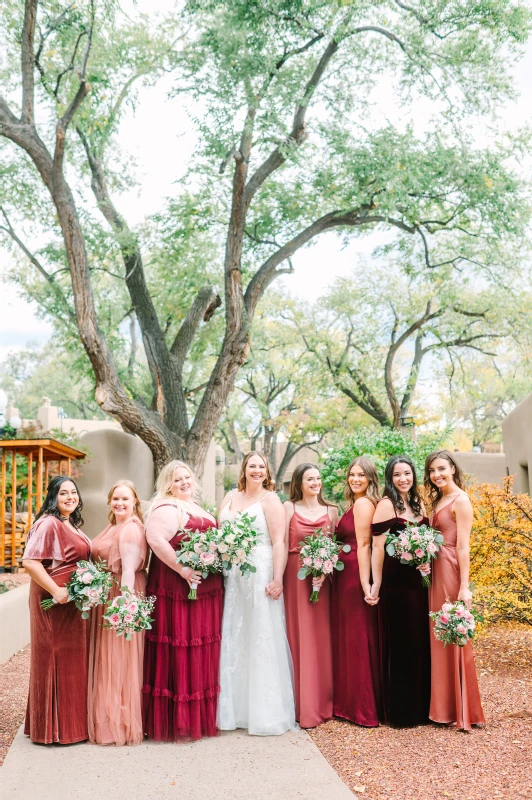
column 259, row 523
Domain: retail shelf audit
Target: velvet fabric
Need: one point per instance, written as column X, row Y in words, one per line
column 115, row 664
column 182, row 652
column 308, row 626
column 455, row 696
column 403, row 612
column 355, row 639
column 57, row 699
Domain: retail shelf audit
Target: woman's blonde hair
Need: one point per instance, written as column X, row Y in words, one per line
column 370, row 471
column 165, row 481
column 137, row 508
column 268, row 482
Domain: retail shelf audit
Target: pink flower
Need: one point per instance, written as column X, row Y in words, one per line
column 114, row 619
column 334, row 559
column 307, row 562
column 461, row 629
column 198, row 548
column 328, row 566
column 207, row 558
column 323, row 552
column 318, row 562
column 432, row 547
column 86, row 578
column 446, row 607
column 416, row 537
column 443, row 620
column 94, row 593
column 133, row 607
column 419, row 553
column 460, row 612
column 128, row 618
column 403, row 539
column 213, row 546
column 406, row 556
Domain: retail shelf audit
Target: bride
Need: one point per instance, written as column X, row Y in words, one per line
column 256, row 683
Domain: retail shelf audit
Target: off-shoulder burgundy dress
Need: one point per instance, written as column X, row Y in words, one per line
column 182, row 652
column 404, row 637
column 355, row 639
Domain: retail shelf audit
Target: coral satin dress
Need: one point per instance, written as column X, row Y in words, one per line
column 454, row 696
column 355, row 639
column 182, row 651
column 308, row 626
column 403, row 613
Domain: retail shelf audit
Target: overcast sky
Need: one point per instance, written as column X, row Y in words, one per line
column 159, row 166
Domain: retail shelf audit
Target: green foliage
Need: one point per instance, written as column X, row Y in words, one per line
column 378, row 445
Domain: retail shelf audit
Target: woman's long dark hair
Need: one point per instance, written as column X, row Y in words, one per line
column 50, row 502
column 390, row 490
column 296, row 487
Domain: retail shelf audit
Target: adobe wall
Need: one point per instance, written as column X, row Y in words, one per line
column 483, row 467
column 517, row 434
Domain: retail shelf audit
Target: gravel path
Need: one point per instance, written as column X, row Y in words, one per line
column 14, row 677
column 436, row 762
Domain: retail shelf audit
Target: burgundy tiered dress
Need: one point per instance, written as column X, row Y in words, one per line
column 308, row 626
column 182, row 651
column 355, row 639
column 57, row 698
column 404, row 631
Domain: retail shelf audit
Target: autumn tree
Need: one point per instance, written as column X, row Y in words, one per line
column 278, row 90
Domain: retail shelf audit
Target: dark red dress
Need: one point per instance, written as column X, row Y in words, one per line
column 57, row 698
column 182, row 652
column 355, row 640
column 404, row 637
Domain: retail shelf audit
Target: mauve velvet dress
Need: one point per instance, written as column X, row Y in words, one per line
column 403, row 612
column 355, row 639
column 455, row 696
column 308, row 627
column 57, row 698
column 182, row 651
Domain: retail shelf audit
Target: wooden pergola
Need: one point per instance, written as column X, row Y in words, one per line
column 40, row 454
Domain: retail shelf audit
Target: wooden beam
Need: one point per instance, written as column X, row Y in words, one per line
column 38, row 488
column 46, row 473
column 69, row 467
column 3, row 512
column 30, row 493
column 13, row 508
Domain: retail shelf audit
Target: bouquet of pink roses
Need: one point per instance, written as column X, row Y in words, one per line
column 129, row 613
column 89, row 586
column 200, row 552
column 454, row 623
column 320, row 556
column 416, row 545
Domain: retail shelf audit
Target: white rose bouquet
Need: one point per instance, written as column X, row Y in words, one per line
column 200, row 552
column 88, row 587
column 129, row 613
column 416, row 545
column 236, row 539
column 319, row 556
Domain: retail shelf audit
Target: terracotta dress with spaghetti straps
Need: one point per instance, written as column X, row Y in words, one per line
column 308, row 626
column 454, row 688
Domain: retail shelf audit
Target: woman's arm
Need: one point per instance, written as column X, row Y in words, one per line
column 384, row 512
column 463, row 512
column 363, row 511
column 275, row 519
column 224, row 503
column 163, row 523
column 37, row 572
column 288, row 511
column 132, row 546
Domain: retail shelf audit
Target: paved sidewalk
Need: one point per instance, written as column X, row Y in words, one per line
column 232, row 766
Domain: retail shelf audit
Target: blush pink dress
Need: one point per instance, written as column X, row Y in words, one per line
column 454, row 688
column 115, row 664
column 308, row 626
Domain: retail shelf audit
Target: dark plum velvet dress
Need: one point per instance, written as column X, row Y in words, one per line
column 355, row 639
column 404, row 637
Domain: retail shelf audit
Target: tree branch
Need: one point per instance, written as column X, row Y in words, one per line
column 203, row 307
column 28, row 62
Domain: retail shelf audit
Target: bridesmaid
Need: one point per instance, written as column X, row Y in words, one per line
column 354, row 621
column 57, row 699
column 308, row 625
column 182, row 651
column 455, row 697
column 404, row 604
column 115, row 665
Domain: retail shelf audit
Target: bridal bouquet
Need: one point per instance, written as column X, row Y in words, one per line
column 236, row 539
column 200, row 551
column 416, row 545
column 129, row 613
column 320, row 556
column 454, row 623
column 89, row 586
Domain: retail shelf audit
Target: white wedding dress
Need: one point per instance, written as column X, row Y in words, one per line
column 256, row 673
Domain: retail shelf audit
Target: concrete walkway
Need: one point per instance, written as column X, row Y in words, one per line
column 233, row 766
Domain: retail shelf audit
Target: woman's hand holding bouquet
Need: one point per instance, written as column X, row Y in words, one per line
column 88, row 587
column 319, row 556
column 416, row 545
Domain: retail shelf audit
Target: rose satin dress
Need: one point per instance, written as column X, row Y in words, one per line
column 57, row 699
column 115, row 664
column 403, row 612
column 308, row 626
column 182, row 651
column 455, row 696
column 355, row 639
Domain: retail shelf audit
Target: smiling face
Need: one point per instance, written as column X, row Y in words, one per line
column 255, row 473
column 67, row 499
column 183, row 486
column 122, row 503
column 311, row 483
column 441, row 474
column 358, row 480
column 402, row 477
